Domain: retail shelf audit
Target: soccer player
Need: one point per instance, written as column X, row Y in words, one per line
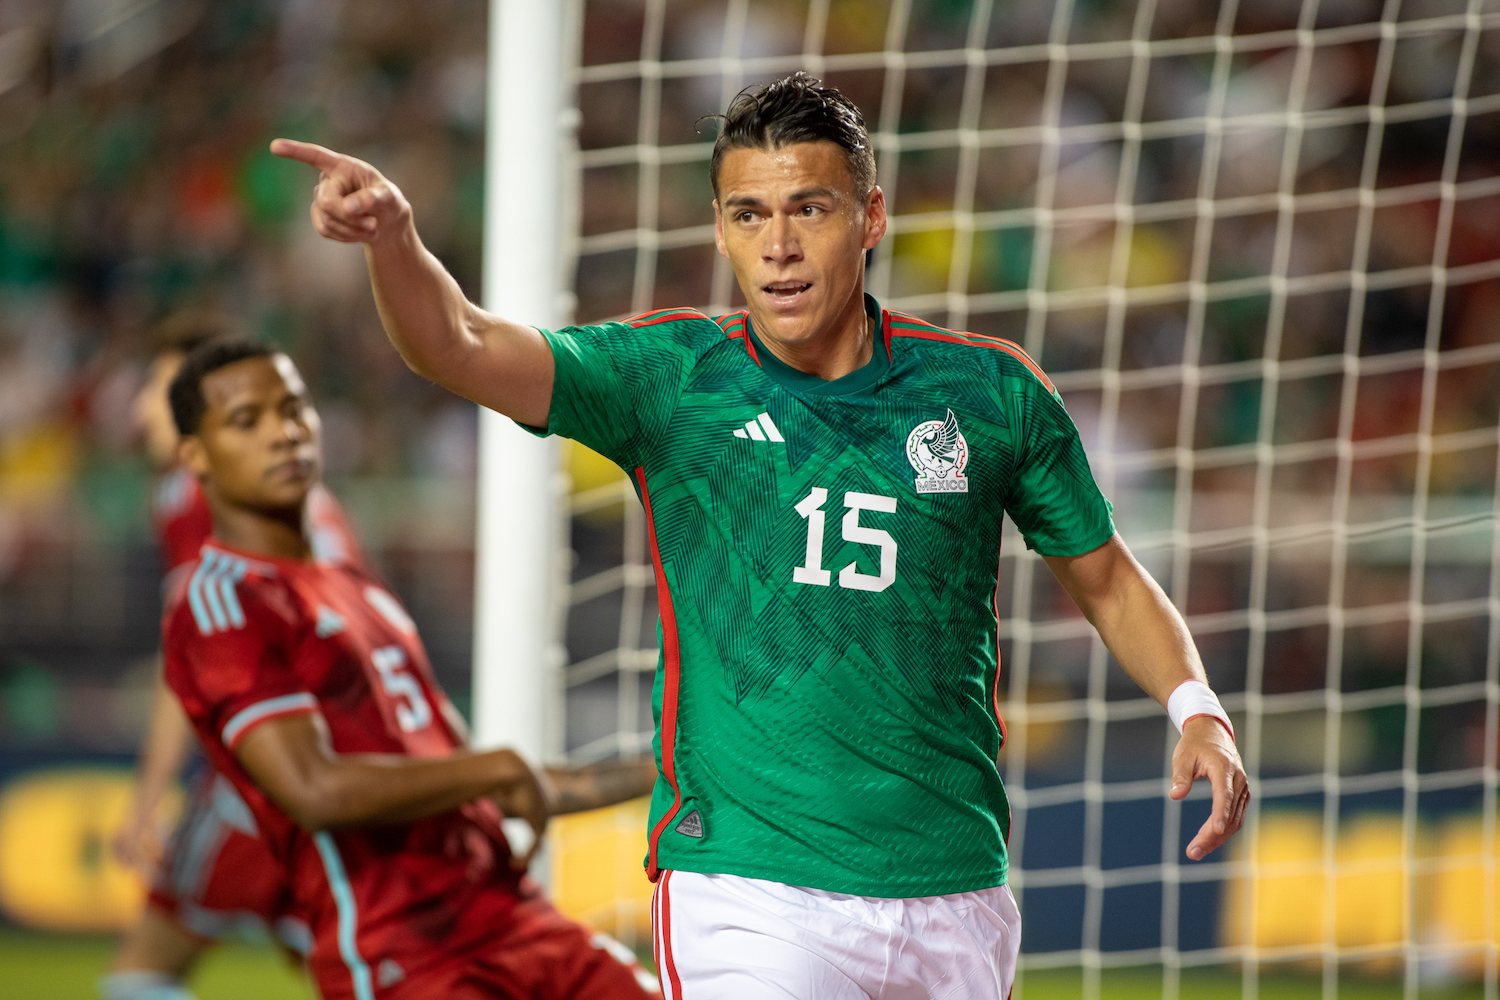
column 311, row 693
column 215, row 877
column 824, row 483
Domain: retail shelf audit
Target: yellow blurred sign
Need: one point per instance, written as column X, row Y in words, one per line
column 1379, row 896
column 597, row 872
column 57, row 871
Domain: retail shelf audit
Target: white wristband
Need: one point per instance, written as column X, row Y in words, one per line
column 1192, row 699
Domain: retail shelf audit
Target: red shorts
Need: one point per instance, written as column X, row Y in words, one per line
column 539, row 955
column 218, row 879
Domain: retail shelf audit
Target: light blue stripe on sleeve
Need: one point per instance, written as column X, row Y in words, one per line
column 247, row 717
column 343, row 898
column 233, row 574
column 195, row 596
column 210, row 589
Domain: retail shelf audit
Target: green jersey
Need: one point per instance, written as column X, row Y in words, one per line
column 826, row 553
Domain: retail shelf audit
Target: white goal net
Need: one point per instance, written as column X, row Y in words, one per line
column 1256, row 245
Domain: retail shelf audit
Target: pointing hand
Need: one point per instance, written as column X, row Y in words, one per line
column 353, row 202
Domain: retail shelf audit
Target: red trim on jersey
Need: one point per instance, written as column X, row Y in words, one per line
column 665, row 316
column 666, row 936
column 949, row 337
column 736, row 326
column 885, row 332
column 995, row 603
column 670, row 681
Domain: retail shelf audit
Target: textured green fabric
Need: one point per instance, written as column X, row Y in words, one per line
column 840, row 736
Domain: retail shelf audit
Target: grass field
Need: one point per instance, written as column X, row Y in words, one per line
column 38, row 967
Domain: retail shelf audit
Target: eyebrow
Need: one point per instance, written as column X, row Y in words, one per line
column 238, row 408
column 805, row 194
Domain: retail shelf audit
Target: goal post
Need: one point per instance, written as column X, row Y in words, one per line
column 518, row 537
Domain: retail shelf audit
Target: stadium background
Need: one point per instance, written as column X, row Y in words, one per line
column 134, row 181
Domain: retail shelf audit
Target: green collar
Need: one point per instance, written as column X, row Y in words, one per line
column 799, row 381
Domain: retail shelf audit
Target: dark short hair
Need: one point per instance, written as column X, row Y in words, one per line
column 796, row 108
column 186, row 391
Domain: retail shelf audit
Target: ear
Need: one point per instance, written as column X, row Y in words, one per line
column 875, row 218
column 191, row 455
column 719, row 230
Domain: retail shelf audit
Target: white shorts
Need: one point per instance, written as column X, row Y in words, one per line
column 725, row 937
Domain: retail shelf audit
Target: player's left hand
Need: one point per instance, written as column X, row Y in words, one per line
column 1206, row 750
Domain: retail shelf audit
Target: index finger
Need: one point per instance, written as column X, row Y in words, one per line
column 310, row 153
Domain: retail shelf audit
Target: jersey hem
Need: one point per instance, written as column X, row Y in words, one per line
column 253, row 716
column 1086, row 548
column 915, row 889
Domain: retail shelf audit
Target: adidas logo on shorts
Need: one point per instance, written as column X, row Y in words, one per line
column 388, row 972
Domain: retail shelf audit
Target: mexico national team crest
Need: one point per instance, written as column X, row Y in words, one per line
column 939, row 453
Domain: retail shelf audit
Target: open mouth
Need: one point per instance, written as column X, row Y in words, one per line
column 785, row 292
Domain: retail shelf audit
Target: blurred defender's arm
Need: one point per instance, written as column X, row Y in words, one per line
column 440, row 334
column 1147, row 635
column 164, row 749
column 292, row 759
column 598, row 785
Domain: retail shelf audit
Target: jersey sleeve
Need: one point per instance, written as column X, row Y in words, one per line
column 615, row 386
column 1053, row 498
column 232, row 678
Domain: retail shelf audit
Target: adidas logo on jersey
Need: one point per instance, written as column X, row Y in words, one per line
column 760, row 429
column 691, row 825
column 329, row 623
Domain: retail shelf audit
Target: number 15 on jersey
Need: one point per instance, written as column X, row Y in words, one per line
column 811, row 572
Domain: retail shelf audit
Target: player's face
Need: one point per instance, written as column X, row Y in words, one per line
column 259, row 444
column 795, row 230
column 153, row 414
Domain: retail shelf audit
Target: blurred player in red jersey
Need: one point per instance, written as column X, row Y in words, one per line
column 215, row 877
column 311, row 693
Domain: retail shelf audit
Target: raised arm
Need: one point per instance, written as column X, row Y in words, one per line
column 292, row 760
column 441, row 335
column 1149, row 638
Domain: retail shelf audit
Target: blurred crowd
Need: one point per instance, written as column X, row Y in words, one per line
column 135, row 183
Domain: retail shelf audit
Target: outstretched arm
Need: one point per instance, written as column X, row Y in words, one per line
column 441, row 335
column 292, row 760
column 1149, row 638
column 603, row 784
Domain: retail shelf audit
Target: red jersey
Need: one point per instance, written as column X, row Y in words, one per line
column 183, row 523
column 248, row 639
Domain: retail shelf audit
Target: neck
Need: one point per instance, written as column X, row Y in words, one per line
column 845, row 346
column 279, row 533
